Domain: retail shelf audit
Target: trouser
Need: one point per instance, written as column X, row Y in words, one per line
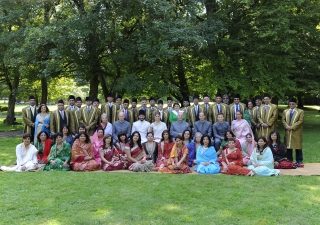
column 299, row 155
column 217, row 143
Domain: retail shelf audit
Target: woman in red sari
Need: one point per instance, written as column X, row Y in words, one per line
column 178, row 162
column 43, row 145
column 82, row 154
column 110, row 158
column 97, row 140
column 136, row 156
column 164, row 149
column 232, row 160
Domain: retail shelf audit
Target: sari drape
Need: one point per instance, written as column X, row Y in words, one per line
column 43, row 153
column 241, row 128
column 79, row 153
column 236, row 158
column 265, row 159
column 111, row 155
column 164, row 150
column 59, row 155
column 40, row 125
column 138, row 154
column 97, row 144
column 246, row 151
column 207, row 155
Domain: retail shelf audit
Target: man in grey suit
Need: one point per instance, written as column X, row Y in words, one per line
column 121, row 126
column 179, row 126
column 220, row 128
column 203, row 126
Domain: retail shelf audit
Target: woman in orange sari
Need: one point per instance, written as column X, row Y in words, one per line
column 232, row 160
column 164, row 149
column 178, row 162
column 110, row 158
column 136, row 156
column 82, row 154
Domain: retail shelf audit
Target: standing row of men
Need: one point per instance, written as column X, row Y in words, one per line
column 263, row 116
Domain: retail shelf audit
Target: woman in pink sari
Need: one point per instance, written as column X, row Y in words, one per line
column 247, row 149
column 82, row 154
column 110, row 158
column 136, row 155
column 97, row 140
column 241, row 128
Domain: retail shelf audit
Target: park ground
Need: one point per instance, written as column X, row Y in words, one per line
column 142, row 198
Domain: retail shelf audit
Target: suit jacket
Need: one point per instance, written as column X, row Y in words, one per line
column 106, row 109
column 270, row 118
column 130, row 118
column 28, row 119
column 224, row 110
column 134, row 114
column 231, row 111
column 67, row 107
column 254, row 116
column 208, row 113
column 192, row 116
column 166, row 108
column 76, row 116
column 148, row 114
column 186, row 111
column 165, row 117
column 55, row 125
column 155, row 108
column 90, row 120
column 293, row 138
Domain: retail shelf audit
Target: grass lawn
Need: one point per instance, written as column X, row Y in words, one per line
column 148, row 198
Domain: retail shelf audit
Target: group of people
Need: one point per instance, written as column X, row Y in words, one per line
column 210, row 138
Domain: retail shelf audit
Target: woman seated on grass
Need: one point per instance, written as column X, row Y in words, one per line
column 206, row 157
column 26, row 156
column 247, row 148
column 136, row 156
column 82, row 154
column 110, row 158
column 43, row 145
column 279, row 152
column 224, row 144
column 67, row 137
column 187, row 140
column 232, row 160
column 178, row 162
column 164, row 149
column 261, row 160
column 97, row 140
column 151, row 147
column 60, row 154
column 82, row 128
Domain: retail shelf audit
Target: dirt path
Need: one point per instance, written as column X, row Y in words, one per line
column 9, row 134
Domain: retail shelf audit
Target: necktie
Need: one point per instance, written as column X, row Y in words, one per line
column 235, row 113
column 169, row 109
column 196, row 110
column 62, row 114
column 89, row 109
column 265, row 110
column 32, row 110
column 257, row 113
column 219, row 109
column 238, row 108
column 71, row 107
column 206, row 107
column 291, row 114
column 134, row 112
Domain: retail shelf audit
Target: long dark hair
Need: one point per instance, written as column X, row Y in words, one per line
column 41, row 132
column 39, row 109
column 123, row 134
column 170, row 137
column 83, row 127
column 225, row 135
column 100, row 128
column 138, row 142
column 87, row 137
column 207, row 136
column 65, row 126
column 190, row 138
column 278, row 141
column 265, row 145
column 104, row 141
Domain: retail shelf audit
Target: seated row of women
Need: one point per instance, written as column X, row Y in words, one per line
column 166, row 156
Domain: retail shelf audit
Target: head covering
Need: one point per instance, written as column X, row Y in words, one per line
column 78, row 99
column 258, row 97
column 126, row 101
column 219, row 95
column 141, row 112
column 293, row 100
column 169, row 98
column 134, row 100
column 267, row 95
column 88, row 98
column 185, row 99
column 152, row 98
column 196, row 96
column 31, row 97
column 71, row 97
column 119, row 96
column 110, row 95
column 60, row 101
column 96, row 100
column 236, row 96
column 160, row 102
column 205, row 95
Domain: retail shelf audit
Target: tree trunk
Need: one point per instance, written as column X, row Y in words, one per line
column 44, row 89
column 300, row 102
column 13, row 86
column 104, row 86
column 94, row 85
column 183, row 85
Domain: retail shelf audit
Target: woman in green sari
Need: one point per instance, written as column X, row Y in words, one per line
column 60, row 153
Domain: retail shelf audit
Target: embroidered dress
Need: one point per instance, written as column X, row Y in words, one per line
column 111, row 155
column 236, row 158
column 59, row 155
column 205, row 155
column 138, row 154
column 265, row 158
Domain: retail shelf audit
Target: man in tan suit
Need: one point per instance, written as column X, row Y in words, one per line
column 134, row 109
column 29, row 115
column 219, row 107
column 254, row 118
column 89, row 116
column 96, row 104
column 71, row 105
column 146, row 110
column 292, row 120
column 186, row 106
column 195, row 109
column 268, row 115
column 76, row 114
column 169, row 107
column 60, row 117
column 153, row 108
column 110, row 108
column 236, row 106
column 207, row 108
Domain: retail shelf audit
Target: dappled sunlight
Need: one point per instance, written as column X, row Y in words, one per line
column 172, row 207
column 52, row 222
column 102, row 213
column 309, row 187
column 313, row 107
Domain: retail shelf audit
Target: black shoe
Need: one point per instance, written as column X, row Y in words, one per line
column 298, row 164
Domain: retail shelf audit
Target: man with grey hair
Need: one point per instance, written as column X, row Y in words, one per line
column 120, row 126
column 225, row 99
column 179, row 126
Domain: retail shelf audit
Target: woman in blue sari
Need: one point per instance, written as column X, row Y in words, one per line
column 261, row 160
column 42, row 122
column 186, row 135
column 206, row 157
